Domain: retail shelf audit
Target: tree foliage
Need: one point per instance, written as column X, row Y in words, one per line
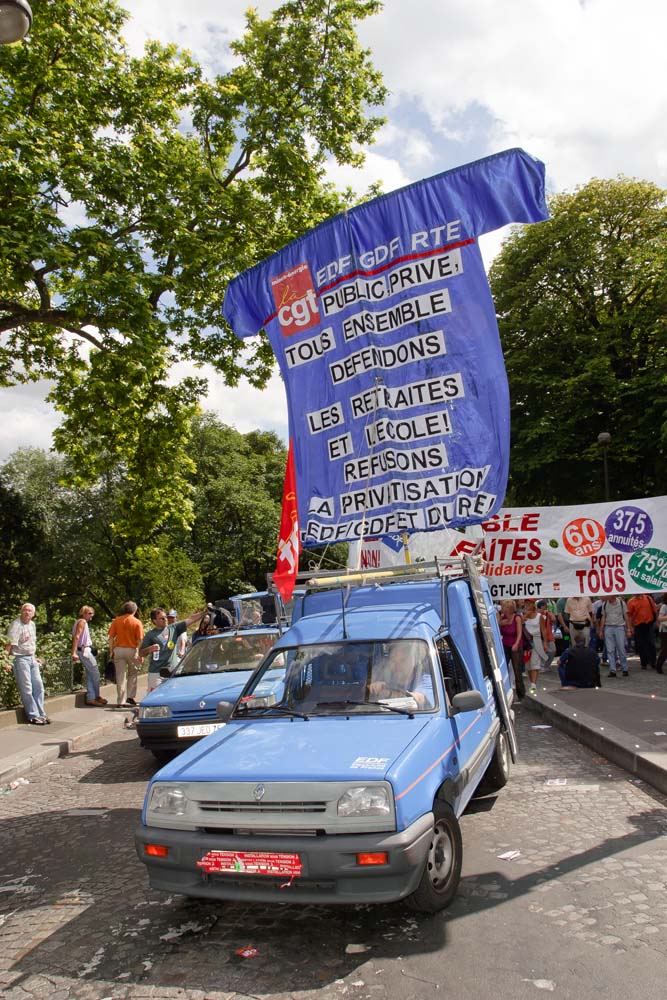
column 132, row 189
column 582, row 308
column 62, row 549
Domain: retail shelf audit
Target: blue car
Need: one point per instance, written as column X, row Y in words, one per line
column 183, row 709
column 344, row 766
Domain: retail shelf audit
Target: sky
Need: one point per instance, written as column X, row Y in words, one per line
column 580, row 84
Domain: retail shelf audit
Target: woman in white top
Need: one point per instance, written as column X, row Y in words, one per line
column 536, row 627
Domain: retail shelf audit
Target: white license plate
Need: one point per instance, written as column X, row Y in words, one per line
column 203, row 729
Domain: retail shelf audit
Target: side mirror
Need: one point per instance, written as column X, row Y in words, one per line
column 468, row 701
column 165, row 672
column 224, row 709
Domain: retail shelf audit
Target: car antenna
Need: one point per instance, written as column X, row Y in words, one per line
column 343, row 601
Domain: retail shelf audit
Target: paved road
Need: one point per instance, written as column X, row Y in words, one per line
column 581, row 912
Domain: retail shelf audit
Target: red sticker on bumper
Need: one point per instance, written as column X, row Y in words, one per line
column 251, row 863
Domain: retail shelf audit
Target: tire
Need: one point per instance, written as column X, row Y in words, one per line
column 163, row 756
column 497, row 773
column 442, row 870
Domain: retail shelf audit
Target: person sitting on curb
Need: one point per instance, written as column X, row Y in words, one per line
column 579, row 667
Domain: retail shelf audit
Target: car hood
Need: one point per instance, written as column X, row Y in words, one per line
column 283, row 749
column 186, row 692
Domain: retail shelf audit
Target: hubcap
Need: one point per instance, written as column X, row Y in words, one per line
column 440, row 856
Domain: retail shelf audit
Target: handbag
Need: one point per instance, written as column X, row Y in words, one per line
column 526, row 638
column 110, row 672
column 94, row 650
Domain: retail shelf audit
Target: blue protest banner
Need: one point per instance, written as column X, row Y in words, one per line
column 384, row 329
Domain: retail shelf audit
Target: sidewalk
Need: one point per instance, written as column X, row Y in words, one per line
column 624, row 721
column 24, row 747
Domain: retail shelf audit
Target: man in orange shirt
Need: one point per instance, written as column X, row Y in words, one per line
column 642, row 613
column 125, row 635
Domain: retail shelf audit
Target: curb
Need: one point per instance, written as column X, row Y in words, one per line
column 58, row 703
column 622, row 749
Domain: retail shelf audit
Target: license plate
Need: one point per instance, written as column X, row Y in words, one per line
column 202, row 729
column 251, row 863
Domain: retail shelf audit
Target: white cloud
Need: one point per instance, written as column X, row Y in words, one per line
column 580, row 86
column 26, row 419
column 243, row 407
column 376, row 168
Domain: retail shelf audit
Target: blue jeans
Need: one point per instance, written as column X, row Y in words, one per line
column 92, row 674
column 614, row 640
column 29, row 683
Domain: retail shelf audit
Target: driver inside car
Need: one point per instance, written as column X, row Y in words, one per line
column 402, row 675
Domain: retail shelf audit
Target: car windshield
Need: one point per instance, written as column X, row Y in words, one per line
column 344, row 677
column 223, row 653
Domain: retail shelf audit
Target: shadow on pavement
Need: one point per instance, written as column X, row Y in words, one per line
column 78, row 906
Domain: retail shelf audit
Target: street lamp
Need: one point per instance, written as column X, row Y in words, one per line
column 15, row 20
column 604, row 440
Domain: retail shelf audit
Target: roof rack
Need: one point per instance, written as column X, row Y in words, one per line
column 438, row 569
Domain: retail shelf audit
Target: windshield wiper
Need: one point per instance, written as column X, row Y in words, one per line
column 265, row 709
column 362, row 704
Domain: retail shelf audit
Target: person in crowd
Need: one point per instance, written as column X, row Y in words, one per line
column 642, row 613
column 579, row 666
column 84, row 652
column 579, row 611
column 22, row 645
column 595, row 642
column 125, row 635
column 181, row 643
column 549, row 625
column 511, row 629
column 613, row 627
column 160, row 642
column 662, row 633
column 537, row 630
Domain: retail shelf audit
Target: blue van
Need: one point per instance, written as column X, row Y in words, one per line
column 390, row 707
column 182, row 710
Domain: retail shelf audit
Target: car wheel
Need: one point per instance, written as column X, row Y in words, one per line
column 442, row 869
column 498, row 772
column 163, row 756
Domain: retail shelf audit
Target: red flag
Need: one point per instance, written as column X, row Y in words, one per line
column 289, row 542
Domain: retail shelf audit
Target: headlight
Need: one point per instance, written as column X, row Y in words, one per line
column 365, row 801
column 168, row 799
column 154, row 712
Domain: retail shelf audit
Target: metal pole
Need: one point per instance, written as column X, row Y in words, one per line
column 604, row 440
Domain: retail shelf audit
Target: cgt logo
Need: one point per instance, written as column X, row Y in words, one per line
column 295, row 299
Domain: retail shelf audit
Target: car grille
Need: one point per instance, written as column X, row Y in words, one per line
column 194, row 714
column 261, row 808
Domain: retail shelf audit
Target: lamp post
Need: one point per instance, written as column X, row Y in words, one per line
column 15, row 20
column 604, row 440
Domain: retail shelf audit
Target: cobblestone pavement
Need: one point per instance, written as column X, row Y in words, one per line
column 581, row 911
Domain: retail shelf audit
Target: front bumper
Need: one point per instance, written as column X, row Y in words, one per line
column 330, row 871
column 163, row 736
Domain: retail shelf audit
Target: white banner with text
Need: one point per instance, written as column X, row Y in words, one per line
column 605, row 548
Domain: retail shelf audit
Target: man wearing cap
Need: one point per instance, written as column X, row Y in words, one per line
column 160, row 641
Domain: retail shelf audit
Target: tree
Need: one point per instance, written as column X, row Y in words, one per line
column 238, row 496
column 582, row 309
column 20, row 539
column 131, row 190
